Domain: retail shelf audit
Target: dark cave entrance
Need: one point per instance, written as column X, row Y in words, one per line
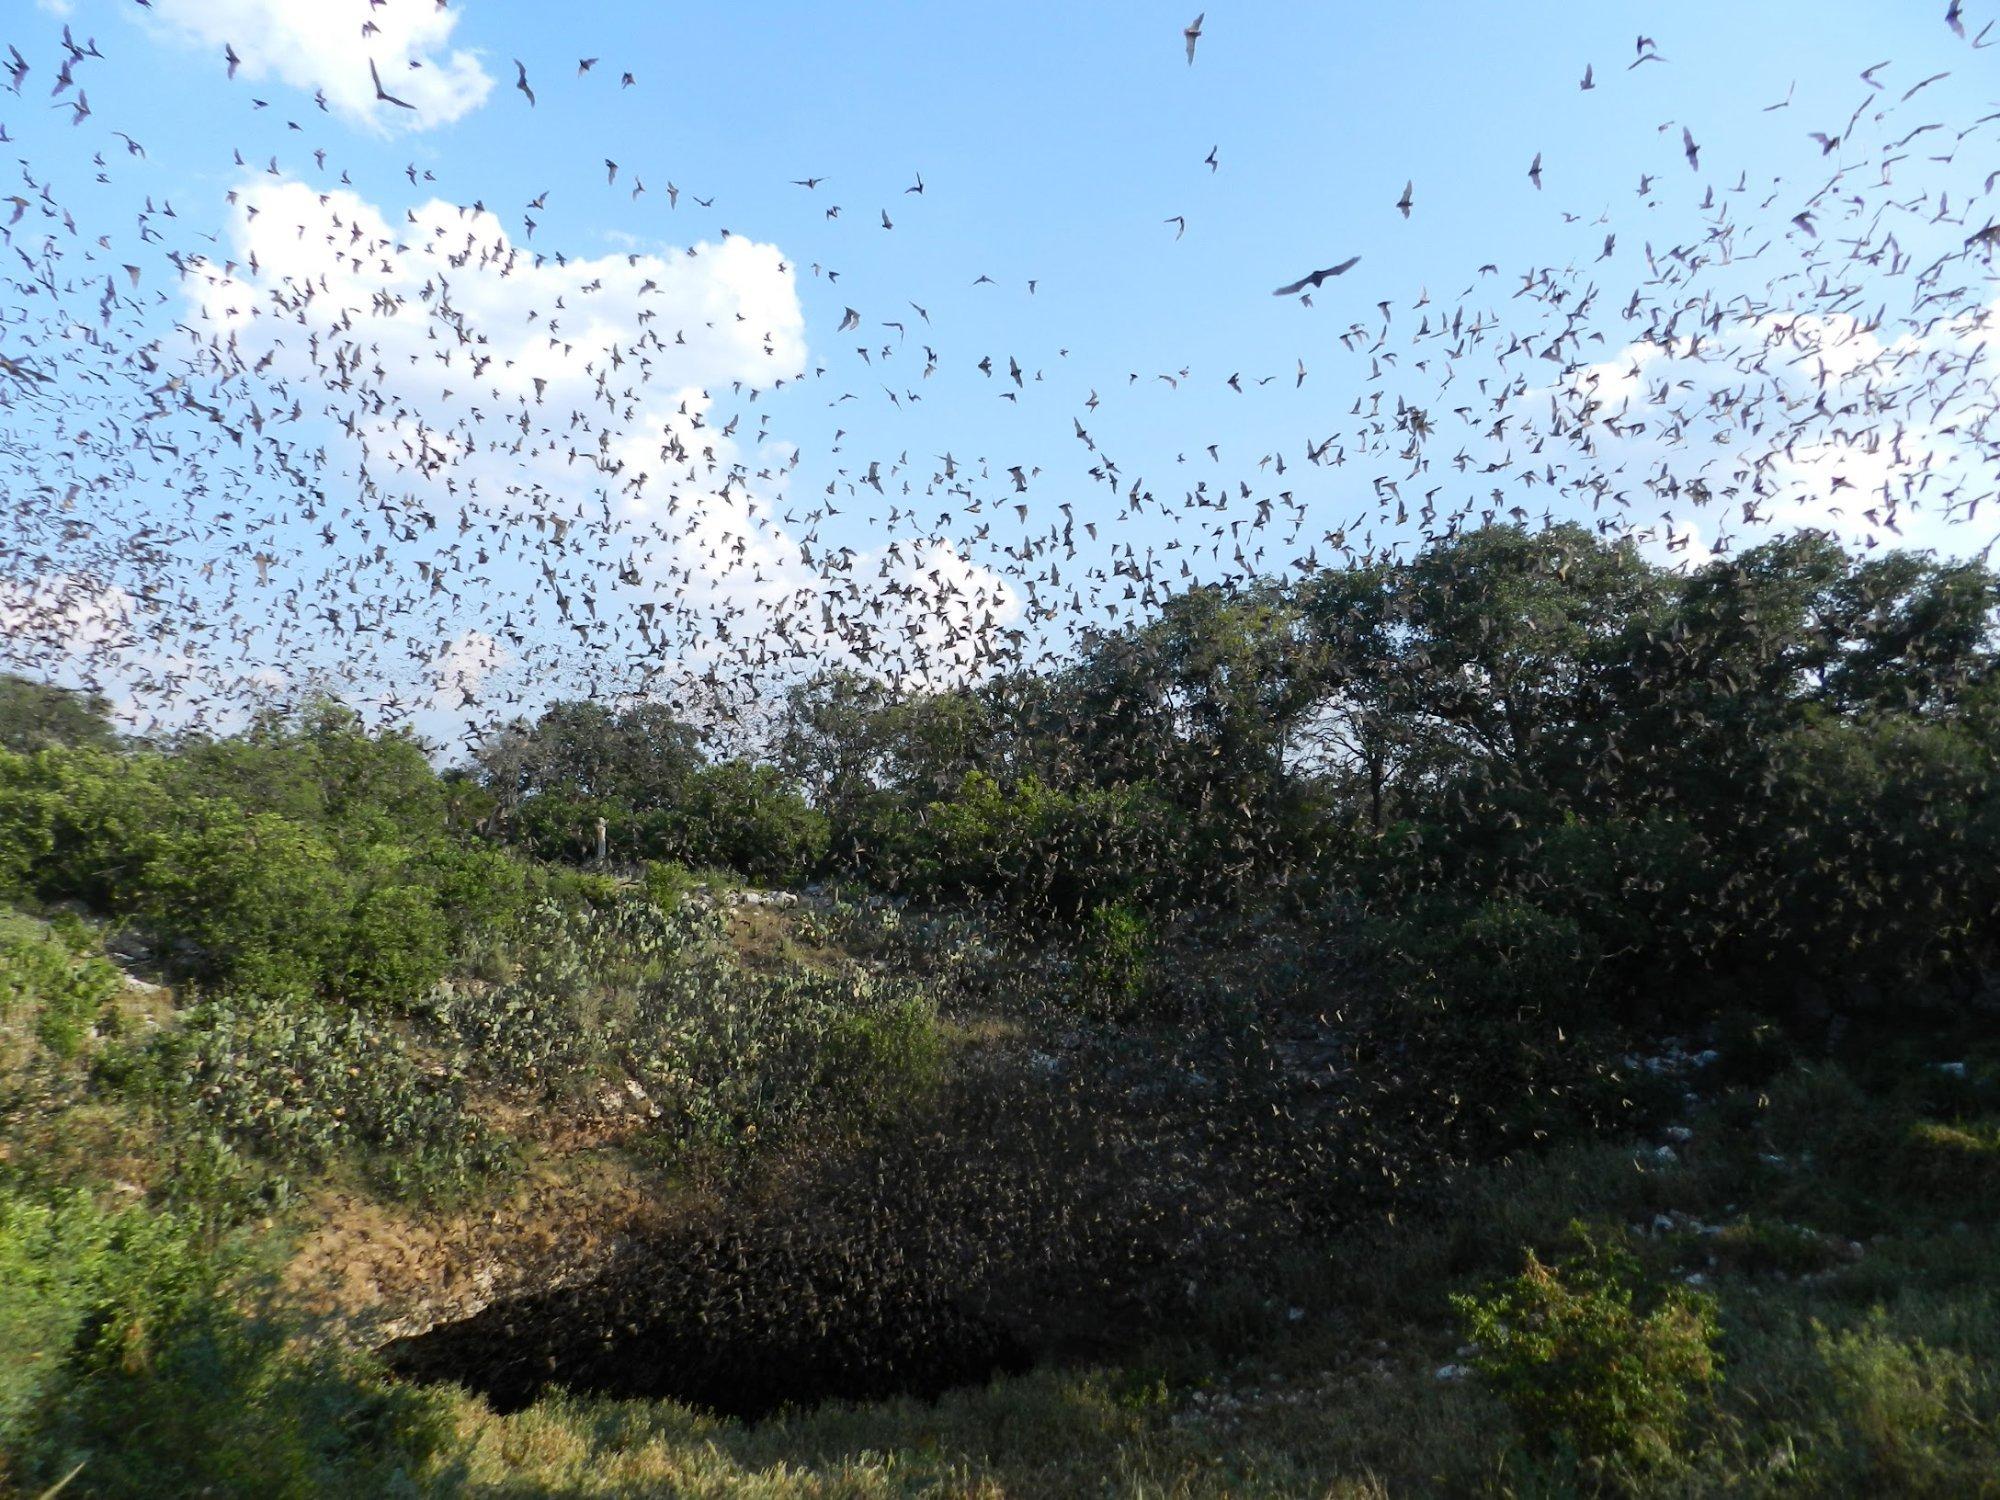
column 1002, row 1238
column 809, row 1347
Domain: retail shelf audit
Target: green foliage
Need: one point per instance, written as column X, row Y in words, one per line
column 1902, row 1404
column 746, row 818
column 1115, row 958
column 644, row 773
column 474, row 889
column 397, row 944
column 562, row 885
column 36, row 716
column 47, row 990
column 668, row 882
column 1878, row 858
column 303, row 1085
column 119, row 1352
column 734, row 1058
column 1495, row 958
column 75, row 823
column 1759, row 1245
column 306, row 855
column 1586, row 1366
column 1959, row 1159
column 1045, row 852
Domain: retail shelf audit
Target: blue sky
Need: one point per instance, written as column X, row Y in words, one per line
column 1053, row 143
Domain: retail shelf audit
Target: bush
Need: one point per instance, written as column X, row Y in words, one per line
column 1495, row 958
column 879, row 1060
column 300, row 1084
column 1901, row 1404
column 669, row 882
column 48, row 990
column 1586, row 1365
column 395, row 948
column 1758, row 1245
column 73, row 823
column 315, row 859
column 119, row 1352
column 735, row 1058
column 1877, row 856
column 577, row 890
column 1115, row 959
column 1957, row 1163
column 1049, row 853
column 258, row 898
column 478, row 891
column 747, row 818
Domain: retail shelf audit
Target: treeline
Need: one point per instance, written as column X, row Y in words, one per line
column 1519, row 769
column 305, row 854
column 1523, row 769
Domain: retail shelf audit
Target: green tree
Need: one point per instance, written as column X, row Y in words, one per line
column 40, row 716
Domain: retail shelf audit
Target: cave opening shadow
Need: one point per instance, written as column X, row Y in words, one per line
column 512, row 1353
column 1008, row 1238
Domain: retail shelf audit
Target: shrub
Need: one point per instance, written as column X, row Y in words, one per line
column 1495, row 957
column 746, row 1059
column 47, row 989
column 1115, row 958
column 309, row 860
column 747, row 818
column 27, row 825
column 72, row 822
column 1876, row 856
column 1957, row 1164
column 301, row 1084
column 1588, row 1366
column 562, row 885
column 735, row 1058
column 669, row 882
column 1900, row 1404
column 395, row 948
column 1768, row 1245
column 119, row 1352
column 877, row 1061
column 478, row 891
column 257, row 896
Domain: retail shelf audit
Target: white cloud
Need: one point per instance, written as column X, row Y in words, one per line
column 1792, row 420
column 1675, row 542
column 464, row 663
column 328, row 44
column 587, row 436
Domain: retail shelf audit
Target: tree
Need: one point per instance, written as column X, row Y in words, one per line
column 39, row 716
